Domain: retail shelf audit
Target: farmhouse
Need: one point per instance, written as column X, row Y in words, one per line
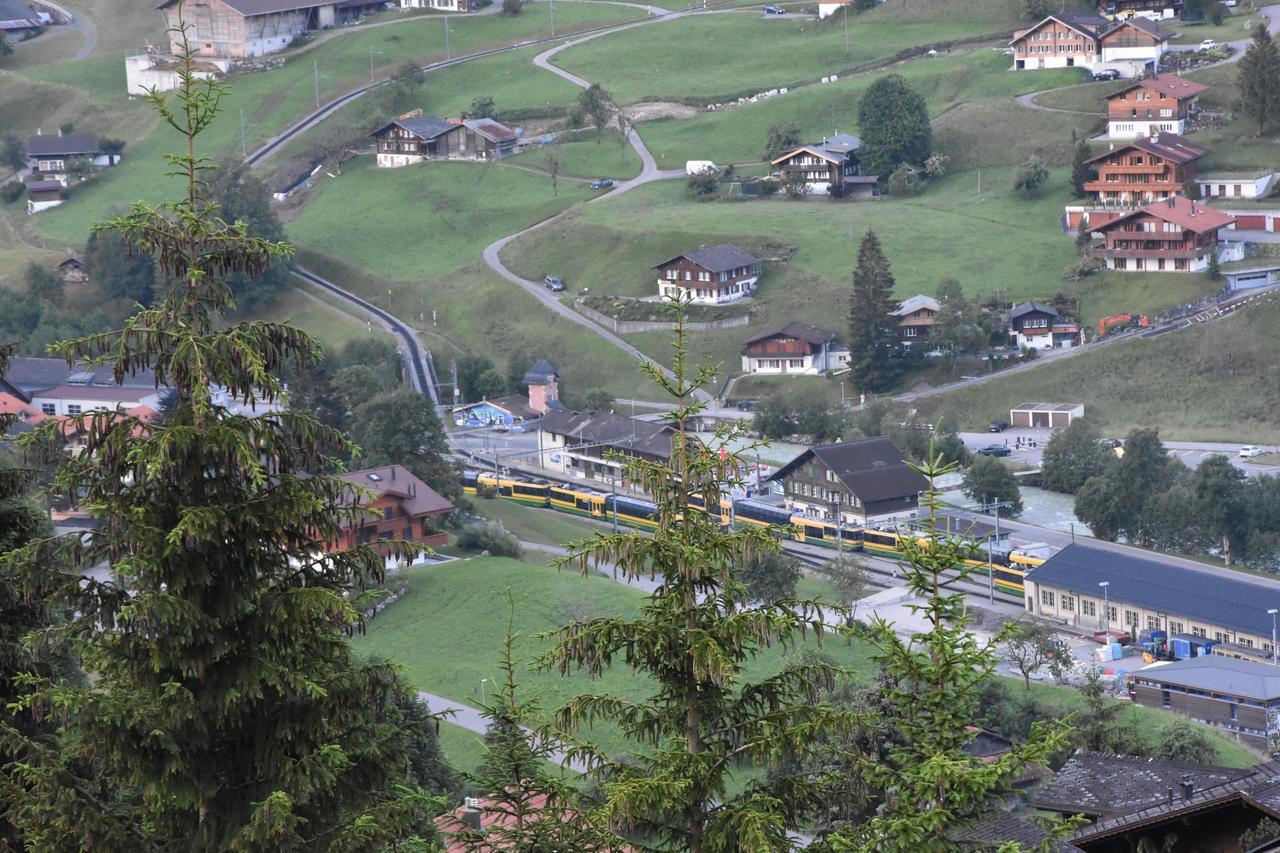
column 585, row 444
column 1235, row 184
column 1033, row 325
column 916, row 317
column 74, row 269
column 1172, row 235
column 53, row 156
column 1240, row 696
column 1069, row 40
column 243, row 28
column 402, row 508
column 865, row 481
column 829, row 167
column 797, row 349
column 413, row 138
column 42, row 195
column 1151, row 106
column 710, row 275
column 1144, row 593
column 1143, row 171
column 1051, row 415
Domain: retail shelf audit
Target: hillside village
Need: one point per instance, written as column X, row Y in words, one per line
column 404, row 446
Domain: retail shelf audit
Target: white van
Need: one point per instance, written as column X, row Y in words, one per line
column 1250, row 450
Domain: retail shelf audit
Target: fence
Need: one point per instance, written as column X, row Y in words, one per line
column 626, row 327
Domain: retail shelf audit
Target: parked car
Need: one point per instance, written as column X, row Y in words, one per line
column 1250, row 450
column 773, row 10
column 602, row 184
column 1208, row 44
column 995, row 450
column 997, row 426
column 1113, row 442
column 747, row 405
column 1105, row 74
column 553, row 284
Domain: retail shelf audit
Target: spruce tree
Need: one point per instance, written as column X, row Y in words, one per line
column 931, row 688
column 1081, row 171
column 226, row 711
column 871, row 327
column 1259, row 80
column 692, row 639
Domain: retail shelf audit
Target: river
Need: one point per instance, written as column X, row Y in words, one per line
column 1050, row 509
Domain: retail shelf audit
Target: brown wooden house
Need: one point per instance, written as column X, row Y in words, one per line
column 797, row 349
column 829, row 167
column 710, row 275
column 864, row 481
column 415, row 138
column 1152, row 106
column 403, row 508
column 1144, row 171
column 1176, row 235
column 916, row 318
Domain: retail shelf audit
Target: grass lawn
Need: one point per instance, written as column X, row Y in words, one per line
column 651, row 63
column 1205, row 383
column 580, row 156
column 463, row 749
column 978, row 77
column 478, row 312
column 536, row 525
column 326, row 322
column 1234, row 27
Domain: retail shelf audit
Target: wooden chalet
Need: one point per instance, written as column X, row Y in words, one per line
column 864, row 482
column 1033, row 325
column 829, row 167
column 916, row 317
column 1176, row 235
column 1152, row 106
column 1082, row 40
column 415, row 138
column 797, row 349
column 402, row 508
column 710, row 275
column 1143, row 171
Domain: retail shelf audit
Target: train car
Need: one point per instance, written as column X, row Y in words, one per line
column 632, row 512
column 578, row 501
column 814, row 531
column 881, row 541
column 469, row 482
column 765, row 515
column 530, row 492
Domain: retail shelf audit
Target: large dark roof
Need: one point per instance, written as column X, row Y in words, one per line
column 55, row 145
column 621, row 433
column 35, row 374
column 1220, row 597
column 870, row 468
column 1032, row 307
column 720, row 258
column 425, row 127
column 1219, row 674
column 17, row 16
column 799, row 331
column 999, row 828
column 1170, row 146
column 419, row 498
column 249, row 8
column 1102, row 785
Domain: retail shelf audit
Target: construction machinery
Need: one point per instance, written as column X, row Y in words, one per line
column 1118, row 322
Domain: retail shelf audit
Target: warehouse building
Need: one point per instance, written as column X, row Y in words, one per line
column 1241, row 697
column 1141, row 593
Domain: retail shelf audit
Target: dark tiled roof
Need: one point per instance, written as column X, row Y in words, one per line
column 1171, row 146
column 426, row 127
column 540, row 373
column 870, row 468
column 1152, row 28
column 1219, row 674
column 419, row 498
column 1167, row 84
column 55, row 145
column 1102, row 785
column 16, row 15
column 1220, row 597
column 717, row 258
column 620, row 432
column 49, row 186
column 799, row 331
column 1032, row 307
column 991, row 831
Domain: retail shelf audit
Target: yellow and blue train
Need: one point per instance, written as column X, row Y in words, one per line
column 1009, row 569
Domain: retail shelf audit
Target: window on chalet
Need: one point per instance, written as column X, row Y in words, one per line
column 49, row 408
column 704, row 276
column 73, row 408
column 1131, row 618
column 672, row 275
column 688, row 275
column 389, row 512
column 796, row 362
column 910, row 331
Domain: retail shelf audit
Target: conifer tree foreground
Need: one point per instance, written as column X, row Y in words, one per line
column 226, row 712
column 691, row 640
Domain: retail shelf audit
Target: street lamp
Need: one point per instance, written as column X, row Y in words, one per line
column 1273, row 612
column 483, row 682
column 1106, row 608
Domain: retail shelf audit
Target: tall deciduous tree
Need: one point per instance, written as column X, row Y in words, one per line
column 1259, row 80
column 597, row 107
column 771, row 577
column 989, row 480
column 1073, row 455
column 691, row 640
column 782, row 138
column 894, row 123
column 931, row 690
column 1219, row 499
column 401, row 427
column 871, row 327
column 1081, row 171
column 1031, row 646
column 226, row 709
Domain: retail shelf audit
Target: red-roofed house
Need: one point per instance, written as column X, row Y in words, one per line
column 24, row 415
column 477, row 825
column 1175, row 235
column 403, row 508
column 1155, row 105
column 1144, row 171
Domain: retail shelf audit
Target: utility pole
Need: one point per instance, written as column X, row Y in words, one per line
column 553, row 24
column 370, row 63
column 315, row 70
column 446, row 38
column 613, row 485
column 244, row 155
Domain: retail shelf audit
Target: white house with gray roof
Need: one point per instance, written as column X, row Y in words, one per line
column 52, row 155
column 829, row 167
column 710, row 275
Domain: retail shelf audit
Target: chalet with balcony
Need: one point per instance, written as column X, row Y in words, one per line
column 242, row 28
column 401, row 508
column 1174, row 235
column 1078, row 40
column 1152, row 106
column 864, row 482
column 1034, row 325
column 54, row 156
column 829, row 167
column 916, row 317
column 1143, row 171
column 797, row 349
column 413, row 138
column 711, row 275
